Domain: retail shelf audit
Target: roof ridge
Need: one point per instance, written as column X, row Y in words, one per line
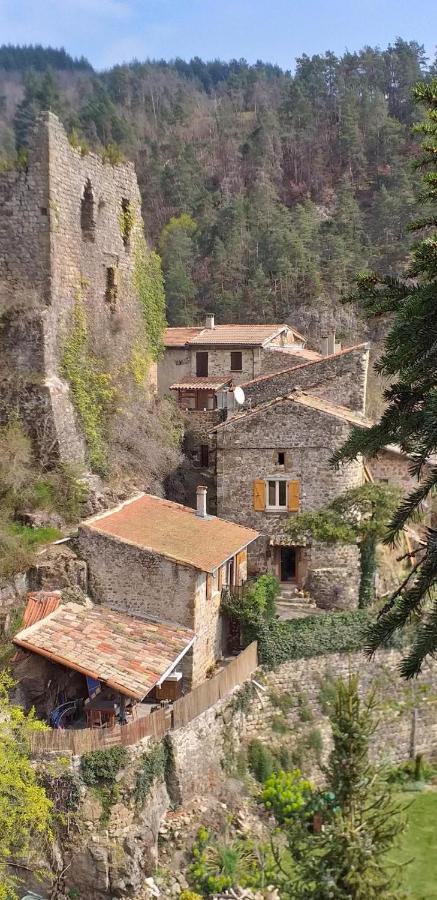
column 311, row 362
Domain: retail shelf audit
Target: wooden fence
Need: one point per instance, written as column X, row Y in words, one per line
column 209, row 692
column 158, row 723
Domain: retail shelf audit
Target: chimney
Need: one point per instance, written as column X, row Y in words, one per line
column 324, row 346
column 331, row 343
column 209, row 322
column 201, row 501
column 337, row 346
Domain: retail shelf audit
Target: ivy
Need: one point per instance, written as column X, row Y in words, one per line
column 99, row 770
column 154, row 765
column 126, row 221
column 93, row 391
column 337, row 632
column 149, row 286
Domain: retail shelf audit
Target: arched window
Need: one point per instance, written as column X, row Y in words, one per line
column 87, row 221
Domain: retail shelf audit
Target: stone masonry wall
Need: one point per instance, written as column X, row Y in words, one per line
column 340, row 378
column 407, row 712
column 246, row 451
column 48, row 259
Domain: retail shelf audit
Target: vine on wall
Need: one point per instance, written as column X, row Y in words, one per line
column 149, row 286
column 92, row 389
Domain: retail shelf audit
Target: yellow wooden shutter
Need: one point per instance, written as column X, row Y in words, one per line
column 293, row 496
column 259, row 495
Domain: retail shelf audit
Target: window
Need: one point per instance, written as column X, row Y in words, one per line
column 236, row 361
column 280, row 458
column 204, row 456
column 111, row 288
column 202, row 364
column 276, row 494
column 87, row 222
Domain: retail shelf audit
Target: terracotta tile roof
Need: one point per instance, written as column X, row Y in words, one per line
column 226, row 335
column 178, row 337
column 299, row 352
column 39, row 605
column 173, row 531
column 303, row 399
column 236, row 335
column 129, row 654
column 305, row 364
column 200, row 384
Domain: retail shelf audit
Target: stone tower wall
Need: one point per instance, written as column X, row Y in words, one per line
column 49, row 260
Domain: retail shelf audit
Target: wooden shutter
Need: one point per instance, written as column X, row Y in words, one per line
column 259, row 495
column 293, row 496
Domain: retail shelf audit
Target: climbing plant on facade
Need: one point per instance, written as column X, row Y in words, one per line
column 359, row 516
column 149, row 286
column 92, row 389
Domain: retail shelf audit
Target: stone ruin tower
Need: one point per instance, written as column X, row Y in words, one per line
column 60, row 235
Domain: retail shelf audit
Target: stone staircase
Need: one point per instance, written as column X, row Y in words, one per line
column 292, row 604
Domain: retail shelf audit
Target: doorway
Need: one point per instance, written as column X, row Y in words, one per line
column 288, row 563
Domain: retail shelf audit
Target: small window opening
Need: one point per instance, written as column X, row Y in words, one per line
column 236, row 361
column 87, row 222
column 126, row 221
column 111, row 288
column 281, row 458
column 43, row 210
column 204, row 456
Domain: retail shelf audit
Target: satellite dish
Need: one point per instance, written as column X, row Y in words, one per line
column 239, row 395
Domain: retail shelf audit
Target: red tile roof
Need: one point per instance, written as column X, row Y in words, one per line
column 226, row 335
column 128, row 654
column 174, row 531
column 200, row 384
column 39, row 605
column 178, row 337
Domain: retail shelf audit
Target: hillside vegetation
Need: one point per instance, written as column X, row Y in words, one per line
column 265, row 192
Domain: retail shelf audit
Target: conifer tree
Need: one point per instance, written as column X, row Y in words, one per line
column 409, row 360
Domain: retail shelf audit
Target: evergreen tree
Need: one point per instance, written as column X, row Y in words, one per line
column 177, row 254
column 41, row 92
column 409, row 360
column 347, row 858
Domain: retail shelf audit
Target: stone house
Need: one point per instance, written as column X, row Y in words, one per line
column 62, row 243
column 273, row 461
column 154, row 558
column 197, row 362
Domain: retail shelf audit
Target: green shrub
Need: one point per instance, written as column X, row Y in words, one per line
column 102, row 766
column 221, row 865
column 304, row 710
column 286, row 794
column 153, row 768
column 283, row 701
column 279, row 725
column 260, row 760
column 314, row 742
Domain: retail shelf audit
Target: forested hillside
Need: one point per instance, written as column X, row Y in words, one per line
column 265, row 192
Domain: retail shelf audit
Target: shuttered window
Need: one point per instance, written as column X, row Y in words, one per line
column 293, row 496
column 259, row 495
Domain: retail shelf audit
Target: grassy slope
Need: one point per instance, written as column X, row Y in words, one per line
column 419, row 844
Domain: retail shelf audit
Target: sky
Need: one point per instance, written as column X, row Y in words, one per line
column 278, row 31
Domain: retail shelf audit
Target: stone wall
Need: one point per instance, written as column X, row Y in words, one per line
column 246, row 451
column 407, row 711
column 341, row 378
column 48, row 259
